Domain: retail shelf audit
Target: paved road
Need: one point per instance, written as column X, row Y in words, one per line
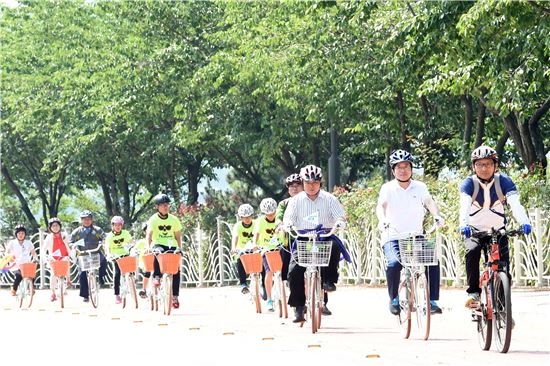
column 217, row 326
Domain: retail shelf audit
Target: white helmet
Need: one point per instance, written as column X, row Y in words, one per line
column 484, row 152
column 293, row 178
column 117, row 220
column 311, row 172
column 399, row 156
column 245, row 210
column 268, row 206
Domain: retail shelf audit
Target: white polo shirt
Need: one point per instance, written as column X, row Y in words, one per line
column 405, row 208
column 22, row 252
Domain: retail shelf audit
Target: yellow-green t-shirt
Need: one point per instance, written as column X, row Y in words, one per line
column 243, row 233
column 116, row 242
column 164, row 230
column 266, row 230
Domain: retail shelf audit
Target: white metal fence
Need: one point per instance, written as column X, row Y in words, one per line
column 207, row 261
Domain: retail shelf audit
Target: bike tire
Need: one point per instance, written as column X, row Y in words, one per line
column 422, row 305
column 484, row 321
column 312, row 304
column 61, row 281
column 257, row 293
column 93, row 290
column 131, row 286
column 284, row 304
column 26, row 293
column 167, row 293
column 405, row 296
column 502, row 312
column 276, row 294
column 123, row 290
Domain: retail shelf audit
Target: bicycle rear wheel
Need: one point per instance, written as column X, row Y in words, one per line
column 93, row 289
column 484, row 324
column 166, row 293
column 276, row 294
column 422, row 305
column 404, row 295
column 502, row 312
column 284, row 304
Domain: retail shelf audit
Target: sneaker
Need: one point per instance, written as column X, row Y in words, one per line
column 118, row 299
column 329, row 287
column 244, row 289
column 394, row 306
column 270, row 305
column 86, row 299
column 472, row 301
column 326, row 311
column 143, row 294
column 434, row 308
column 175, row 302
column 156, row 281
column 53, row 297
column 299, row 314
column 13, row 292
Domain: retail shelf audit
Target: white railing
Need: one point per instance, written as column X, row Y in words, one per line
column 207, row 261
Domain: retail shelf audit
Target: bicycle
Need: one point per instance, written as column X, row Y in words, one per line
column 60, row 270
column 169, row 263
column 253, row 266
column 278, row 291
column 25, row 291
column 494, row 310
column 415, row 254
column 89, row 261
column 152, row 290
column 312, row 254
column 127, row 266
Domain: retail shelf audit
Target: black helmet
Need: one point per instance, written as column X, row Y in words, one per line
column 52, row 221
column 161, row 198
column 19, row 228
column 86, row 213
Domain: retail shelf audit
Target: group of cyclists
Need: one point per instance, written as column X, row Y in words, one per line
column 401, row 208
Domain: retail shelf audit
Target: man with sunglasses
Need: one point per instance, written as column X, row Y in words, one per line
column 164, row 235
column 482, row 199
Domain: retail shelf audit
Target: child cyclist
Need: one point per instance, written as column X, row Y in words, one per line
column 22, row 251
column 264, row 230
column 240, row 236
column 164, row 235
column 117, row 244
column 57, row 247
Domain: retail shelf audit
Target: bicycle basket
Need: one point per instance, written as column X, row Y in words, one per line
column 274, row 260
column 313, row 253
column 252, row 262
column 169, row 262
column 28, row 270
column 60, row 268
column 127, row 264
column 148, row 262
column 88, row 262
column 418, row 252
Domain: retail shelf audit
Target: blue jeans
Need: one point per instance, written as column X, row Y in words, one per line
column 393, row 272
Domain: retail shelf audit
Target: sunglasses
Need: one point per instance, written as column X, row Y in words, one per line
column 270, row 231
column 118, row 241
column 165, row 227
column 248, row 235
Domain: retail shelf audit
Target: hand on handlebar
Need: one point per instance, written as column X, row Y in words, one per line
column 466, row 231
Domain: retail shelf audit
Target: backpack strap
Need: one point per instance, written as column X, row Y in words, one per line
column 476, row 187
column 498, row 189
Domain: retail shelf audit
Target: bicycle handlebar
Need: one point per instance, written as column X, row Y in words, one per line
column 311, row 233
column 480, row 234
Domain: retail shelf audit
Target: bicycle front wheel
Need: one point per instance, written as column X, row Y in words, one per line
column 484, row 323
column 166, row 293
column 61, row 287
column 502, row 312
column 25, row 293
column 131, row 288
column 312, row 303
column 405, row 305
column 422, row 305
column 93, row 289
column 255, row 293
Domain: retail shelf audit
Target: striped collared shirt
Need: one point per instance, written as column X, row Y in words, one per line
column 305, row 213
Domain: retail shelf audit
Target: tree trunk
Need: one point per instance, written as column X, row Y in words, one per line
column 468, row 122
column 193, row 175
column 536, row 134
column 22, row 200
column 501, row 143
column 480, row 125
column 106, row 192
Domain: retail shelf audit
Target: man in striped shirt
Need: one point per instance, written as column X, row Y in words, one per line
column 308, row 210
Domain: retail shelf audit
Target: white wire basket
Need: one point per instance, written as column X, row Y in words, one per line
column 418, row 252
column 88, row 262
column 313, row 253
